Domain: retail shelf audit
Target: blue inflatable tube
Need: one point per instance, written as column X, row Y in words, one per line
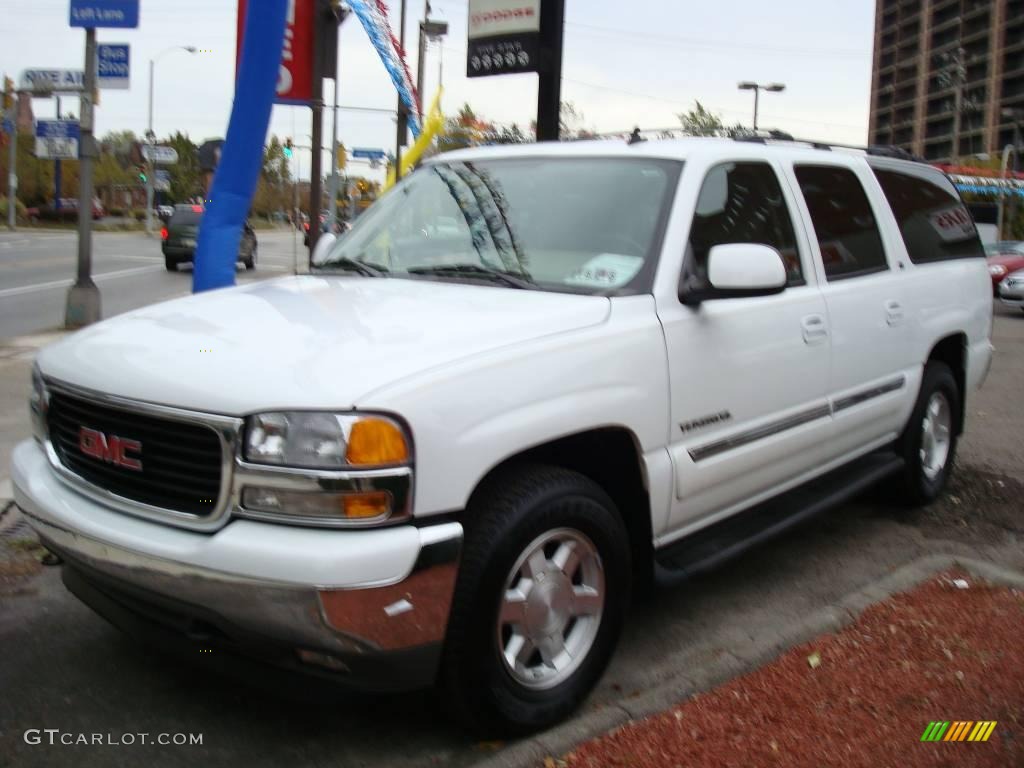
column 242, row 154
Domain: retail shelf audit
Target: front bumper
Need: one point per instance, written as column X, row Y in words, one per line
column 369, row 606
column 1013, row 297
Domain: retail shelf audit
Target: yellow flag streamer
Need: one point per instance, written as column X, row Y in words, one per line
column 432, row 126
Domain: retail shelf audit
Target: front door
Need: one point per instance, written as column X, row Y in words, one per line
column 748, row 376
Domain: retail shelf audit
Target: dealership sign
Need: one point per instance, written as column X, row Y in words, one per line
column 295, row 77
column 504, row 37
column 57, row 139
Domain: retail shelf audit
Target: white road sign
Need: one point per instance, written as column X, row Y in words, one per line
column 160, row 155
column 57, row 139
column 51, row 80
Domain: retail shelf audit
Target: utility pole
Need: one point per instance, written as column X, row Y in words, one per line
column 11, row 118
column 549, row 74
column 332, row 187
column 57, row 170
column 83, row 302
column 429, row 30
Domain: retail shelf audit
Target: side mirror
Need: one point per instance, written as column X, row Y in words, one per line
column 739, row 270
column 324, row 244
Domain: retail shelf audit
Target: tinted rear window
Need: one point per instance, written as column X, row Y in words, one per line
column 843, row 221
column 935, row 224
column 186, row 217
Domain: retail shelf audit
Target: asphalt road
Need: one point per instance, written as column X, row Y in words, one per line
column 63, row 667
column 36, row 269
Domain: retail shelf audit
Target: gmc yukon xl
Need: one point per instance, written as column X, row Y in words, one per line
column 527, row 380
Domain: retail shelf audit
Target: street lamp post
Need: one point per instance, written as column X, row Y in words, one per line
column 151, row 136
column 748, row 85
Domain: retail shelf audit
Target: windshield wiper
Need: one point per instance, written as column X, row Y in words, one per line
column 510, row 279
column 354, row 265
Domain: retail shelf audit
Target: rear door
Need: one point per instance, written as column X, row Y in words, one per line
column 749, row 376
column 864, row 287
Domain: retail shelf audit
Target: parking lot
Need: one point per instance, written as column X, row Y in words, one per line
column 62, row 667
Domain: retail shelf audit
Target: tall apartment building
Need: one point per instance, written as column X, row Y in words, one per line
column 931, row 54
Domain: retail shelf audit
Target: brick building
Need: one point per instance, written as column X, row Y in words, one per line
column 930, row 56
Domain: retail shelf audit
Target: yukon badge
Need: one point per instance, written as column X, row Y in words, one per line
column 705, row 421
column 113, row 450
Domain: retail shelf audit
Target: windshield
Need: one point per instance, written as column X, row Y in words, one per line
column 590, row 225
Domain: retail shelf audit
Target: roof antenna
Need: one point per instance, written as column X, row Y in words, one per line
column 635, row 137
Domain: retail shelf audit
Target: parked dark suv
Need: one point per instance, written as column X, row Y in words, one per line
column 180, row 234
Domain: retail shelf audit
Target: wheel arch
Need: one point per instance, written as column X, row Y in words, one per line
column 612, row 458
column 952, row 350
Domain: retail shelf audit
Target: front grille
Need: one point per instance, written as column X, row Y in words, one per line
column 181, row 462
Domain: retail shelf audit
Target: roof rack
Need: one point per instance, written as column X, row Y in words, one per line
column 877, row 150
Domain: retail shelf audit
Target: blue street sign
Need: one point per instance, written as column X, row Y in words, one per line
column 8, row 125
column 368, row 154
column 105, row 13
column 112, row 65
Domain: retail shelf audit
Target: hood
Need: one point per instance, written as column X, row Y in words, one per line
column 305, row 342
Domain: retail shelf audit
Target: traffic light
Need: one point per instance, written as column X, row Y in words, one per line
column 142, row 176
column 8, row 93
column 342, row 156
column 288, row 148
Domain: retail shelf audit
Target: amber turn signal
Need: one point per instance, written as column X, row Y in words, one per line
column 359, row 506
column 376, row 441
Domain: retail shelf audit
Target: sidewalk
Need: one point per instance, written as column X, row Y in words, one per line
column 16, row 356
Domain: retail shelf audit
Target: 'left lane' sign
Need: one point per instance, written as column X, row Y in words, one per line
column 105, row 13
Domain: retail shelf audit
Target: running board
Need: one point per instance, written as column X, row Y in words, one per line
column 722, row 541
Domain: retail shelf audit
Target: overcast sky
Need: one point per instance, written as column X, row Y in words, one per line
column 626, row 63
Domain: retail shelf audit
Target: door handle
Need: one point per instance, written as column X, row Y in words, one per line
column 893, row 312
column 814, row 329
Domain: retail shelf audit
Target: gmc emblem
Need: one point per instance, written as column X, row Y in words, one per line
column 113, row 450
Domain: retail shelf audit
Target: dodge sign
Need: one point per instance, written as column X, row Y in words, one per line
column 503, row 37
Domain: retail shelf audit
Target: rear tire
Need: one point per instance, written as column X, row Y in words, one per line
column 170, row 264
column 251, row 263
column 928, row 443
column 542, row 591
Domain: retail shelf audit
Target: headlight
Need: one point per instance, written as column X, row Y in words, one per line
column 997, row 269
column 37, row 404
column 316, row 440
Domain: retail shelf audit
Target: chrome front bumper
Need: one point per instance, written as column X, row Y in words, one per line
column 336, row 599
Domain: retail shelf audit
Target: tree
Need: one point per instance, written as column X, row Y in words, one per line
column 186, row 181
column 119, row 144
column 511, row 134
column 701, row 122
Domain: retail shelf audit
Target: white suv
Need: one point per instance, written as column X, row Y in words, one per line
column 528, row 379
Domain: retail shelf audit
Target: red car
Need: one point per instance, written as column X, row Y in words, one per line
column 1004, row 258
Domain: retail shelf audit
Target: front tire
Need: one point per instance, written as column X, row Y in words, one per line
column 540, row 600
column 928, row 444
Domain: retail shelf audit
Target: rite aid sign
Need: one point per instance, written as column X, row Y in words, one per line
column 52, row 80
column 504, row 37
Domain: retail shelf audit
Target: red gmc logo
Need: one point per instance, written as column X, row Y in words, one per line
column 113, row 450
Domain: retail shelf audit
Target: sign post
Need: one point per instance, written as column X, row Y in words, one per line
column 511, row 36
column 83, row 301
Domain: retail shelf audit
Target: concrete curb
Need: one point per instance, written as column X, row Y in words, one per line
column 738, row 661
